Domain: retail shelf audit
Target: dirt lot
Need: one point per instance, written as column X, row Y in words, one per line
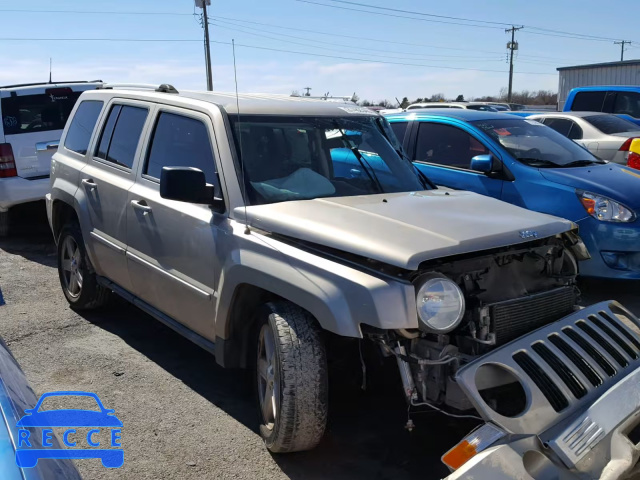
column 183, row 416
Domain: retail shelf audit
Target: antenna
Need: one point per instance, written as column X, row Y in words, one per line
column 244, row 181
column 50, row 70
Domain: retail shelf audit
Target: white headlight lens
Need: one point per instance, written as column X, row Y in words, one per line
column 440, row 305
column 605, row 209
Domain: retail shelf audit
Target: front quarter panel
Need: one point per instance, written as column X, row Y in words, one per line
column 340, row 297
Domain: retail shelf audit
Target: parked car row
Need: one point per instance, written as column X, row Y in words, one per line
column 268, row 231
column 522, row 162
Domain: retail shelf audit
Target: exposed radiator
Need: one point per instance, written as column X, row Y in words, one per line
column 514, row 318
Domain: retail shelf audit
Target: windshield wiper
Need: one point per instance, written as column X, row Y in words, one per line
column 538, row 162
column 368, row 169
column 580, row 163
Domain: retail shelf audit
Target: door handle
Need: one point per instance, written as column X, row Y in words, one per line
column 89, row 183
column 44, row 146
column 141, row 205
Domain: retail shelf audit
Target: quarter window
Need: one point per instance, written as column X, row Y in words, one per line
column 560, row 125
column 121, row 134
column 180, row 141
column 447, row 145
column 588, row 102
column 82, row 125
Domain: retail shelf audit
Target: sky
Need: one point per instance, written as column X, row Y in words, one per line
column 335, row 46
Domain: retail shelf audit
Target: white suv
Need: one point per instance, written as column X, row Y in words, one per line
column 33, row 117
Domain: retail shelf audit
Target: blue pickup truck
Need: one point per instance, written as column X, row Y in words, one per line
column 623, row 101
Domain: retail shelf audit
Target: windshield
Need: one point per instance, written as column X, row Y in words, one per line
column 534, row 144
column 611, row 124
column 300, row 158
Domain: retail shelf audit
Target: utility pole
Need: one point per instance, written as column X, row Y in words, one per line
column 207, row 50
column 622, row 43
column 307, row 89
column 512, row 45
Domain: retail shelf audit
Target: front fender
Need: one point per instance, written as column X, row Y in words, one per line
column 340, row 297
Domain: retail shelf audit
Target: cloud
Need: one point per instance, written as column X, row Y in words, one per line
column 370, row 80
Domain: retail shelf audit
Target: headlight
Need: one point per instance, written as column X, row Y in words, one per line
column 440, row 304
column 605, row 209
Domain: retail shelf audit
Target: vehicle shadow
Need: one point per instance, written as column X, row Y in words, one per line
column 29, row 234
column 624, row 291
column 365, row 437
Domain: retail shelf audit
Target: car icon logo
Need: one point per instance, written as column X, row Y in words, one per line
column 30, row 449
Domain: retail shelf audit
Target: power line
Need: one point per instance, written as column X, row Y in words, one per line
column 399, row 16
column 418, row 13
column 472, row 22
column 342, row 47
column 261, row 48
column 234, row 21
column 102, row 12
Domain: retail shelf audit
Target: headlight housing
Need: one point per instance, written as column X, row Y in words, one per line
column 440, row 304
column 604, row 209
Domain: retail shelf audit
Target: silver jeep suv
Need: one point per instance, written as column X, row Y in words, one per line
column 269, row 227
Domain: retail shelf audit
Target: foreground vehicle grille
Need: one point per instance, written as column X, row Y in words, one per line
column 565, row 366
column 514, row 318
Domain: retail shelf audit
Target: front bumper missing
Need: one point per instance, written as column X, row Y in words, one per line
column 573, row 424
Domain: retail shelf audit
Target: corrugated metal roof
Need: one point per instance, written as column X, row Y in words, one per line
column 598, row 65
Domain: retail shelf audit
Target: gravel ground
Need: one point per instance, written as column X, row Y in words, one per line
column 186, row 418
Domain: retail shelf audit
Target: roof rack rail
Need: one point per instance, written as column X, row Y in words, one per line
column 164, row 88
column 37, row 84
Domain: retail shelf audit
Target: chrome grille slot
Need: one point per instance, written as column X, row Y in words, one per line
column 621, row 328
column 610, row 349
column 548, row 388
column 514, row 318
column 614, row 336
column 566, row 375
column 590, row 350
column 578, row 360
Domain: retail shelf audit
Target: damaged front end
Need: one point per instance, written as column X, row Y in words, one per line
column 501, row 336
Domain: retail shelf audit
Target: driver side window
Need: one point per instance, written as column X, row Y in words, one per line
column 446, row 145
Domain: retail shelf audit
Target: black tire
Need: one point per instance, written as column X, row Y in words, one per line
column 89, row 295
column 4, row 224
column 300, row 370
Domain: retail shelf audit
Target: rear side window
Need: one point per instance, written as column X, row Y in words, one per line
column 121, row 134
column 610, row 124
column 37, row 113
column 399, row 129
column 82, row 125
column 588, row 102
column 180, row 141
column 627, row 103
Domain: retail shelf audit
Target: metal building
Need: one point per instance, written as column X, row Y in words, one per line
column 611, row 73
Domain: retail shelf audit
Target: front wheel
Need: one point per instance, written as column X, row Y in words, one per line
column 291, row 372
column 77, row 278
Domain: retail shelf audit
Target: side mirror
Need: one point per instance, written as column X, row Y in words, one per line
column 482, row 163
column 188, row 184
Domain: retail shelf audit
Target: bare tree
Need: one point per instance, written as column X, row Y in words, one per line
column 295, row 93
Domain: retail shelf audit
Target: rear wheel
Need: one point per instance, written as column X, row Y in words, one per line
column 291, row 373
column 77, row 278
column 4, row 224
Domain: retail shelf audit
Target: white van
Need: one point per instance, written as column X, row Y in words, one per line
column 32, row 119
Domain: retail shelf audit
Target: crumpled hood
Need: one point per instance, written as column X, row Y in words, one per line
column 405, row 229
column 612, row 180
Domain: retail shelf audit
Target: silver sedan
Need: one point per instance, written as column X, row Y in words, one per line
column 606, row 136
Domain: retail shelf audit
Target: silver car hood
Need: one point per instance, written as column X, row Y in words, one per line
column 405, row 229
